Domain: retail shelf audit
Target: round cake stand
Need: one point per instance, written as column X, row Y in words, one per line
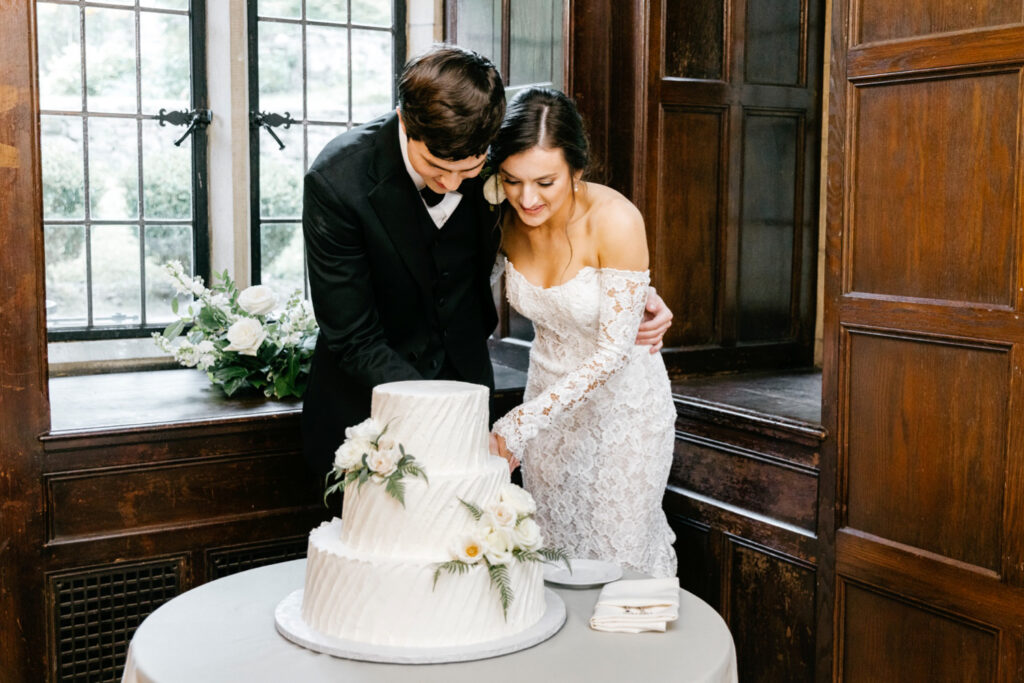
column 288, row 617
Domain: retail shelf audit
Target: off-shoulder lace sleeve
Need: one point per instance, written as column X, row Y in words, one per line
column 623, row 297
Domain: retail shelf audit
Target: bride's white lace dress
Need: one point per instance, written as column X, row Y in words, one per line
column 596, row 428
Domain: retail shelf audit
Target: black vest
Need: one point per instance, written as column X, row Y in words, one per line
column 455, row 251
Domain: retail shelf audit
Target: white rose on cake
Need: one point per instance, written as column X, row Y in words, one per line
column 502, row 515
column 350, row 453
column 497, row 545
column 367, row 430
column 384, row 462
column 258, row 300
column 527, row 535
column 520, row 501
column 245, row 336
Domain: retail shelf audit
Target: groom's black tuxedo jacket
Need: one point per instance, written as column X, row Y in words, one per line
column 395, row 297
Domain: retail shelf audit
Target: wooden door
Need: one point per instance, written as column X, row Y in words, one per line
column 730, row 177
column 924, row 340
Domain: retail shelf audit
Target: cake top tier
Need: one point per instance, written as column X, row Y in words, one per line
column 443, row 424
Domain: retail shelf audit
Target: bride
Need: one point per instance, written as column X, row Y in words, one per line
column 596, row 430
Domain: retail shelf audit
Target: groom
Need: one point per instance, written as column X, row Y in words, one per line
column 400, row 244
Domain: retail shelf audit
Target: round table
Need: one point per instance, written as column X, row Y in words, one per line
column 224, row 631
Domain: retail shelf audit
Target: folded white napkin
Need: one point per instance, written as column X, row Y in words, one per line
column 636, row 605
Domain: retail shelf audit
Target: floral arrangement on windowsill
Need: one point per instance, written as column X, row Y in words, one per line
column 242, row 340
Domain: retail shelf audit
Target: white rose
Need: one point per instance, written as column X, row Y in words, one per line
column 245, row 336
column 527, row 534
column 469, row 549
column 502, row 514
column 205, row 346
column 257, row 300
column 350, row 453
column 494, row 190
column 383, row 463
column 197, row 287
column 520, row 501
column 367, row 430
column 497, row 545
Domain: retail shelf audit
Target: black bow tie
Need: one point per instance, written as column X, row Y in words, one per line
column 430, row 197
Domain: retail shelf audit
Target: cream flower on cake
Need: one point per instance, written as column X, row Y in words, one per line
column 502, row 515
column 258, row 300
column 384, row 463
column 527, row 534
column 367, row 430
column 350, row 453
column 469, row 549
column 520, row 501
column 497, row 545
column 245, row 336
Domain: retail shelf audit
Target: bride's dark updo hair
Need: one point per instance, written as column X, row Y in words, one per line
column 541, row 117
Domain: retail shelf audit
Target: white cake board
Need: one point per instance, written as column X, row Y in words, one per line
column 290, row 624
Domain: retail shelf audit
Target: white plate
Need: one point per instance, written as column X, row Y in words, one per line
column 585, row 573
column 288, row 618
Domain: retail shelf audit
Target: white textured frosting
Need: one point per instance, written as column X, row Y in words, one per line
column 393, row 602
column 432, row 520
column 442, row 424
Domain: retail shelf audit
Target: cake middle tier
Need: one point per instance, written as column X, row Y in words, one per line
column 431, row 521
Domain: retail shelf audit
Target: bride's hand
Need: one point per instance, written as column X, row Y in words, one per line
column 498, row 448
column 657, row 320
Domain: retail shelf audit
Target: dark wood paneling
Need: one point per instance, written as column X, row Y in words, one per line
column 888, row 20
column 754, row 481
column 924, row 468
column 771, row 614
column 690, row 186
column 887, row 639
column 768, row 230
column 698, row 572
column 693, row 43
column 23, row 401
column 131, row 499
column 919, row 206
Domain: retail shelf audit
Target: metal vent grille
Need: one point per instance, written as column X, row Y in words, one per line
column 96, row 614
column 239, row 558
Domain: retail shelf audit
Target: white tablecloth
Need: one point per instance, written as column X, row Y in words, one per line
column 224, row 631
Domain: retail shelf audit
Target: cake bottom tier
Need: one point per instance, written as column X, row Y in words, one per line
column 395, row 602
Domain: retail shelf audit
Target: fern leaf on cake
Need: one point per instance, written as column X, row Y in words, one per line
column 473, row 510
column 500, row 580
column 451, row 567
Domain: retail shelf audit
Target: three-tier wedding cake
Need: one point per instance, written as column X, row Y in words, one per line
column 412, row 561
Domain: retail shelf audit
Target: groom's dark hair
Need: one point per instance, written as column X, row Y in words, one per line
column 452, row 100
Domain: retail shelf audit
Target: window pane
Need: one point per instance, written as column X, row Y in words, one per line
column 166, row 173
column 318, row 137
column 281, row 248
column 534, row 41
column 327, row 10
column 371, row 74
column 693, row 39
column 281, row 172
column 327, row 73
column 165, row 73
column 164, row 243
column 479, row 27
column 115, row 275
column 60, row 57
column 280, row 70
column 165, row 4
column 113, row 168
column 110, row 60
column 63, row 167
column 65, row 275
column 371, row 12
column 291, row 9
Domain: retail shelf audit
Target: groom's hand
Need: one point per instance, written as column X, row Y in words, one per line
column 498, row 448
column 657, row 320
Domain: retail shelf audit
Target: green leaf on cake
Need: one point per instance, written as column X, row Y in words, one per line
column 500, row 580
column 555, row 555
column 451, row 567
column 473, row 510
column 395, row 487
